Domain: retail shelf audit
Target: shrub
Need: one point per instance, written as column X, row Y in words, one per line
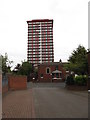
column 70, row 80
column 84, row 80
column 81, row 80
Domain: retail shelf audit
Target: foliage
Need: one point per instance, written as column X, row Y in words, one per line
column 16, row 69
column 23, row 69
column 70, row 80
column 6, row 64
column 81, row 80
column 66, row 66
column 78, row 80
column 78, row 61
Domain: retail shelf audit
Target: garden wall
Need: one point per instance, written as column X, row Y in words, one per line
column 77, row 88
column 4, row 83
column 17, row 82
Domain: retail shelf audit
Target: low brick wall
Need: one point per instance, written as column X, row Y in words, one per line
column 57, row 81
column 5, row 89
column 17, row 82
column 76, row 87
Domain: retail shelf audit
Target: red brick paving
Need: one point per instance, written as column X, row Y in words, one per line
column 18, row 104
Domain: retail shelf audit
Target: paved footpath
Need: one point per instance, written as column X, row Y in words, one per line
column 45, row 101
column 18, row 104
column 0, row 106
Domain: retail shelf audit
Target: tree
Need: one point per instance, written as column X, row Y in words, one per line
column 78, row 61
column 6, row 64
column 23, row 69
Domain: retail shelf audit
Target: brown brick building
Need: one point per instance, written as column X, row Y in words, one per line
column 51, row 72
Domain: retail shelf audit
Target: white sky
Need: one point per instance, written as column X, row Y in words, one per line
column 70, row 25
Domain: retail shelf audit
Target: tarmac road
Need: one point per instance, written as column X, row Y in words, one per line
column 56, row 102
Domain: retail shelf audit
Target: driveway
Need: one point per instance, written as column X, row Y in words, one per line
column 45, row 100
column 54, row 101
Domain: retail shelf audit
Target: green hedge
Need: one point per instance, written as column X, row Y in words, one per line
column 81, row 80
column 78, row 80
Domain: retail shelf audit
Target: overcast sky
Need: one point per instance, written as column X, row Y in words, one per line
column 70, row 25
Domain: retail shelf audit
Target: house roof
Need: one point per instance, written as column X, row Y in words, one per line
column 65, row 62
column 51, row 63
column 40, row 20
column 57, row 71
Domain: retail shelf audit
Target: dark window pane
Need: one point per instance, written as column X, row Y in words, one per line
column 56, row 67
column 47, row 70
column 41, row 75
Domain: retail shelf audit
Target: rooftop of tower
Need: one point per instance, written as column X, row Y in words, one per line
column 40, row 20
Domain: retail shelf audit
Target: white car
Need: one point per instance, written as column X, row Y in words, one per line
column 88, row 90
